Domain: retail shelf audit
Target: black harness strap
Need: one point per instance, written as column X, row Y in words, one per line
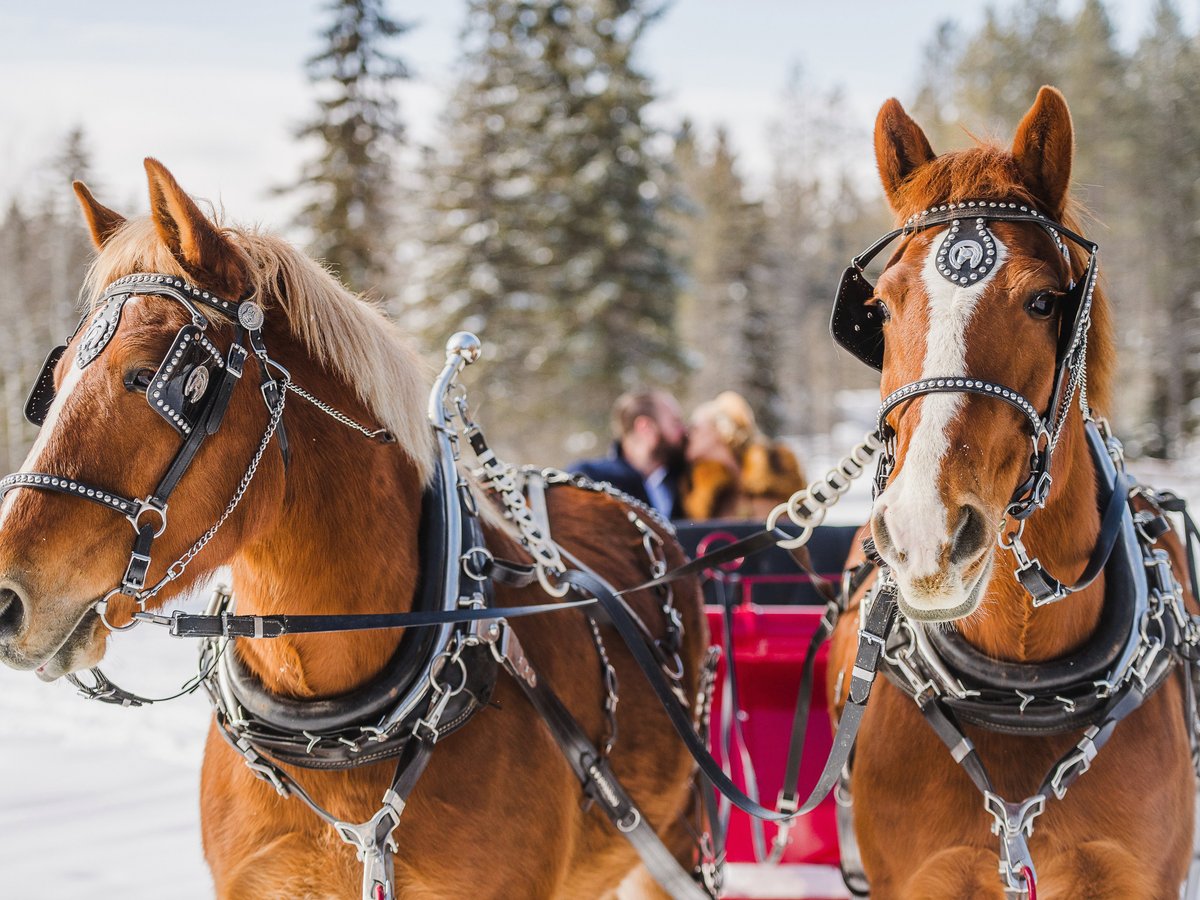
column 602, row 786
column 870, row 648
column 1044, row 587
column 201, row 626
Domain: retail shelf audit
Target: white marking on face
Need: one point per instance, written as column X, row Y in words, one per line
column 33, row 460
column 916, row 517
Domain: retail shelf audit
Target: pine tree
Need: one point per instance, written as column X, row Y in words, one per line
column 726, row 320
column 547, row 232
column 1165, row 172
column 350, row 187
column 44, row 252
column 817, row 221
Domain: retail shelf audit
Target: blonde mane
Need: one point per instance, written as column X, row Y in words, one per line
column 342, row 331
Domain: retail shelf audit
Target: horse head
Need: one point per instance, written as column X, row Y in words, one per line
column 974, row 310
column 161, row 411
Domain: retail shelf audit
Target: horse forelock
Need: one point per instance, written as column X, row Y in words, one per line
column 988, row 172
column 341, row 330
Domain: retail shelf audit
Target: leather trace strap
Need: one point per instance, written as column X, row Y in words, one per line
column 870, row 647
column 599, row 782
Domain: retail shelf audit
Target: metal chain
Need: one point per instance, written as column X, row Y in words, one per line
column 176, row 569
column 808, row 506
column 611, row 687
column 501, row 478
column 334, row 413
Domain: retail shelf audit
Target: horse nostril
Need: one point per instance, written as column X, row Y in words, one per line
column 12, row 613
column 971, row 538
column 882, row 537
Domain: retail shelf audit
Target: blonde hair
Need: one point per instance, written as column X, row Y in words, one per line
column 340, row 329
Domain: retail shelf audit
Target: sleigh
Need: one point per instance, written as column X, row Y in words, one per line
column 775, row 610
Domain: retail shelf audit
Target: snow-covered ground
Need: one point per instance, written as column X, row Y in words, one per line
column 98, row 800
column 102, row 801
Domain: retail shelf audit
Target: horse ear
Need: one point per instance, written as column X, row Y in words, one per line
column 197, row 244
column 1043, row 149
column 102, row 221
column 900, row 148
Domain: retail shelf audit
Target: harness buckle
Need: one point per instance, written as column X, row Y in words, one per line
column 1076, row 764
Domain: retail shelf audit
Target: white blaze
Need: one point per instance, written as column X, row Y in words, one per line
column 33, row 460
column 916, row 517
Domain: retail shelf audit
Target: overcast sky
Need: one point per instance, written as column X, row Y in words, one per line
column 214, row 88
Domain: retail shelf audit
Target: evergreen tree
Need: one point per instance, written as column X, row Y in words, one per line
column 817, row 220
column 44, row 252
column 726, row 319
column 547, row 232
column 350, row 187
column 1165, row 172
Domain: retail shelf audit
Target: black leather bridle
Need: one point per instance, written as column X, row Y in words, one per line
column 191, row 390
column 857, row 325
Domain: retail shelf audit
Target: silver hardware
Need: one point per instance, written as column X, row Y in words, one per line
column 374, row 854
column 510, row 654
column 250, row 315
column 197, row 384
column 465, row 345
column 1014, row 824
column 807, row 507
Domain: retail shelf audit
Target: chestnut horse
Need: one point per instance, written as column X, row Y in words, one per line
column 498, row 812
column 1125, row 828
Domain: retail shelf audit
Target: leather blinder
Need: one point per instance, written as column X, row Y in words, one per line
column 856, row 323
column 41, row 395
column 184, row 379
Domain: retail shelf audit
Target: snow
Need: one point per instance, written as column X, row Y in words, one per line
column 105, row 800
column 100, row 800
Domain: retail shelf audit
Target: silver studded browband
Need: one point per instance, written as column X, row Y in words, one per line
column 962, row 385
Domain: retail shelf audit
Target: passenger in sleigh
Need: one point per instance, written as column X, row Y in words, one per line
column 734, row 471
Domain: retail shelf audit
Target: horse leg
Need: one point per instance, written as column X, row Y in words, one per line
column 956, row 873
column 1101, row 870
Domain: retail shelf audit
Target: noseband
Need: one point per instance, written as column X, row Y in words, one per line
column 857, row 326
column 191, row 390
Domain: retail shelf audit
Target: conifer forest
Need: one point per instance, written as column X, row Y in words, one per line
column 595, row 250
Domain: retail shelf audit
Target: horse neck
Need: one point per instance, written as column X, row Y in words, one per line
column 1061, row 536
column 345, row 541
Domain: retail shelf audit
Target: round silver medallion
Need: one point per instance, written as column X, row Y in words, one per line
column 250, row 315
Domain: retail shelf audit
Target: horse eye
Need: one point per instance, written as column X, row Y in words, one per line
column 884, row 312
column 139, row 380
column 1041, row 305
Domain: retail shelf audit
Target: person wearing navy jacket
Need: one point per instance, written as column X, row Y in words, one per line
column 646, row 459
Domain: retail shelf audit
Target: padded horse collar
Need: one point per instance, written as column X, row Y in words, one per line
column 190, row 390
column 374, row 721
column 1063, row 694
column 964, row 258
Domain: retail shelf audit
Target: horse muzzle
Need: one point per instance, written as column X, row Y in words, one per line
column 53, row 646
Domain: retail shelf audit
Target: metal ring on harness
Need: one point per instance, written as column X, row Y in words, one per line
column 148, row 505
column 554, row 590
column 630, row 822
column 477, row 572
column 101, row 607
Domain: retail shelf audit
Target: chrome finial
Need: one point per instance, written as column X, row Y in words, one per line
column 464, row 344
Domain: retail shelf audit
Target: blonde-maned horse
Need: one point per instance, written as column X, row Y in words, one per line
column 1124, row 830
column 498, row 812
